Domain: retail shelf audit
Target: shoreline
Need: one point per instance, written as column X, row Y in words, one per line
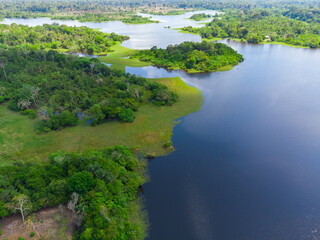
column 239, row 40
column 151, row 130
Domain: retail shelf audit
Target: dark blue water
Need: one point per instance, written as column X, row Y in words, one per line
column 247, row 166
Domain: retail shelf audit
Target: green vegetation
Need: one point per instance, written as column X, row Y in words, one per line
column 165, row 13
column 83, row 17
column 151, row 129
column 63, row 38
column 99, row 17
column 119, row 58
column 108, row 10
column 138, row 20
column 310, row 15
column 258, row 26
column 192, row 57
column 99, row 187
column 80, row 11
column 60, row 88
column 200, row 16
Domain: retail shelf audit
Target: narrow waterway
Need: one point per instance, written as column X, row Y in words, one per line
column 247, row 165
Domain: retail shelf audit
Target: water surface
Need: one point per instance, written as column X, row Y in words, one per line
column 142, row 36
column 247, row 166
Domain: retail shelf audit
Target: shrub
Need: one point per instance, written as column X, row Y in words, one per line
column 168, row 145
column 30, row 113
column 42, row 127
column 164, row 97
column 67, row 119
column 32, row 234
column 12, row 105
column 1, row 99
column 126, row 115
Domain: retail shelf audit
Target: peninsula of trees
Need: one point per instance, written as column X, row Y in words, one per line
column 192, row 57
column 64, row 38
column 59, row 89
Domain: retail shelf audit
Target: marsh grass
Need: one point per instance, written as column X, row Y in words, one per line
column 150, row 131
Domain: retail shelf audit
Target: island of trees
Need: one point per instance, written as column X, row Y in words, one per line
column 192, row 57
column 258, row 26
column 100, row 17
column 200, row 16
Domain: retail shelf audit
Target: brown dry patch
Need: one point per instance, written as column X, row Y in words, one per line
column 51, row 223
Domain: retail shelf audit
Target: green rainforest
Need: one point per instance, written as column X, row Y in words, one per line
column 258, row 26
column 59, row 89
column 100, row 187
column 63, row 38
column 78, row 132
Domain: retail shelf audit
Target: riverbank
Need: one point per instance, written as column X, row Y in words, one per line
column 238, row 40
column 119, row 58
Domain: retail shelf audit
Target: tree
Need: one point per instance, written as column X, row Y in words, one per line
column 67, row 118
column 22, row 204
column 3, row 63
column 95, row 112
column 77, row 213
column 81, row 182
column 126, row 115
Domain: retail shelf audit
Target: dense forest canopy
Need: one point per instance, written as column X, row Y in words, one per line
column 60, row 88
column 75, row 39
column 53, row 7
column 193, row 57
column 100, row 186
column 100, row 17
column 113, row 10
column 108, row 10
column 256, row 26
column 309, row 15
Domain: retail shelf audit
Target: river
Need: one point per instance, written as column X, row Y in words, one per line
column 247, row 165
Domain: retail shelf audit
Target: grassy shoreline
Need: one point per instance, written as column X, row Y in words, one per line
column 118, row 58
column 150, row 131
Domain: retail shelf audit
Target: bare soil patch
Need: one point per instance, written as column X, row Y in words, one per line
column 50, row 223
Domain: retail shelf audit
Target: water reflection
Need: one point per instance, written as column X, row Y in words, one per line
column 247, row 165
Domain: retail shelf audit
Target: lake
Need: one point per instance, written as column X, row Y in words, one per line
column 247, row 165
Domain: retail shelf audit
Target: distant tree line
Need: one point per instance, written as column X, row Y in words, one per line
column 60, row 6
column 76, row 39
column 310, row 15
